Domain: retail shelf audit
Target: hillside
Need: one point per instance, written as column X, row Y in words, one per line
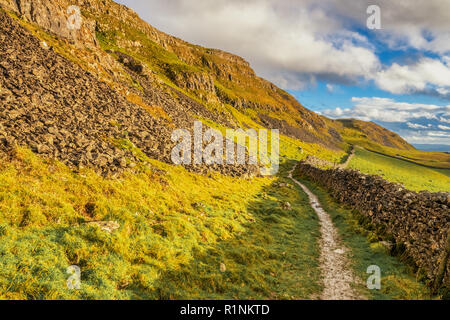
column 87, row 179
column 412, row 176
column 375, row 133
column 149, row 67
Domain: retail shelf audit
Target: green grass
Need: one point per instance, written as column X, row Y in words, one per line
column 398, row 281
column 412, row 176
column 433, row 159
column 288, row 147
column 275, row 258
column 176, row 228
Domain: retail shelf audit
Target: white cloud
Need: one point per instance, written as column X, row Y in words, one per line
column 447, row 111
column 422, row 25
column 438, row 134
column 386, row 110
column 418, row 77
column 416, row 126
column 399, row 116
column 435, row 137
column 443, row 91
column 337, row 113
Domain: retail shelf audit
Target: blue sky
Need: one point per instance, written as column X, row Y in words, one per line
column 325, row 97
column 326, row 56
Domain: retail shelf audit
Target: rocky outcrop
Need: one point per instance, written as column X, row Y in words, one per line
column 296, row 132
column 418, row 220
column 61, row 111
column 193, row 80
column 325, row 164
column 128, row 61
column 318, row 162
column 53, row 16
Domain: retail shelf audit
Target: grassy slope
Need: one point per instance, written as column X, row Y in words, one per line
column 177, row 57
column 397, row 281
column 176, row 228
column 160, row 60
column 373, row 132
column 413, row 176
column 434, row 159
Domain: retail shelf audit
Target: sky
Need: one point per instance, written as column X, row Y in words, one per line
column 325, row 54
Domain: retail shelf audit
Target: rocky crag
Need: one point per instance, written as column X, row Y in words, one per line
column 418, row 221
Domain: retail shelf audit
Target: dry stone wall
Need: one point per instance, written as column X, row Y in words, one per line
column 418, row 220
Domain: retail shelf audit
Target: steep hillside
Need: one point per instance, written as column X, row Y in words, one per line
column 219, row 79
column 373, row 132
column 61, row 111
column 144, row 64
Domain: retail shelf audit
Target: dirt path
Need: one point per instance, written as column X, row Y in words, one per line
column 350, row 157
column 336, row 271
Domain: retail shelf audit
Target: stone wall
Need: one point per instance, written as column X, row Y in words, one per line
column 418, row 220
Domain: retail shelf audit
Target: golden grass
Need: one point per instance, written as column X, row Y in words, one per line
column 176, row 228
column 434, row 159
column 412, row 176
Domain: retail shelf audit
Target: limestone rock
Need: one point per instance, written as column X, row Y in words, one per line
column 108, row 226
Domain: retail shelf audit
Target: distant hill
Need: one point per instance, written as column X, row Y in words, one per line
column 377, row 133
column 433, row 147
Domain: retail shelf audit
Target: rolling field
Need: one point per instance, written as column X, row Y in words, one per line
column 427, row 158
column 412, row 176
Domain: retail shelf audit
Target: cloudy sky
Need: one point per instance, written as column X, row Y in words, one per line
column 324, row 54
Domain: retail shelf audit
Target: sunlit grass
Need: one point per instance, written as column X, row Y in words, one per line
column 433, row 159
column 176, row 228
column 412, row 176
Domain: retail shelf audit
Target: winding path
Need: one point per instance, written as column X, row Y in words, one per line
column 336, row 270
column 349, row 158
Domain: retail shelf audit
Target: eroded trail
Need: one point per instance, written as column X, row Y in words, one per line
column 336, row 270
